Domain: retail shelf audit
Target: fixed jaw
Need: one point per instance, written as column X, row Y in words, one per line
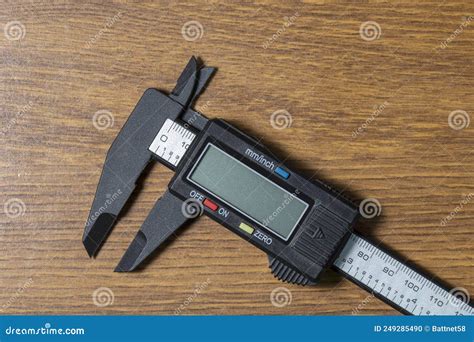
column 129, row 155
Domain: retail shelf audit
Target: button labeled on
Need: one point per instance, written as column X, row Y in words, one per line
column 282, row 172
column 246, row 228
column 209, row 204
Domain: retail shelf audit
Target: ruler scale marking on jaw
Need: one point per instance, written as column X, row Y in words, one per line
column 174, row 139
column 222, row 167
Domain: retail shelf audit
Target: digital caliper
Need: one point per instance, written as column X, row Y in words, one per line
column 303, row 226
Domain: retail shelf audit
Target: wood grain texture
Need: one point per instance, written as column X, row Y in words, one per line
column 75, row 59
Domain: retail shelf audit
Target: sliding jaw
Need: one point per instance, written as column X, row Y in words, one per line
column 129, row 154
column 164, row 220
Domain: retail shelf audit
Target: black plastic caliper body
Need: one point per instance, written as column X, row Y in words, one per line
column 225, row 174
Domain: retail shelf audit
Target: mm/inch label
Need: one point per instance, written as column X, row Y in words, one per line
column 397, row 283
column 171, row 142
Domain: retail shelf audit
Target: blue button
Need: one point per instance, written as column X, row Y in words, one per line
column 282, row 173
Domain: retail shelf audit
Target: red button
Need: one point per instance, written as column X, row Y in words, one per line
column 211, row 205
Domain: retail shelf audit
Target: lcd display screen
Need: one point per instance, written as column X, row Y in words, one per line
column 244, row 189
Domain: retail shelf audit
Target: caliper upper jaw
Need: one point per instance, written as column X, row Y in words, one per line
column 129, row 154
column 126, row 159
column 191, row 83
column 169, row 213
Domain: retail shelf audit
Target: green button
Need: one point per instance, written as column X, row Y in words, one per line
column 246, row 228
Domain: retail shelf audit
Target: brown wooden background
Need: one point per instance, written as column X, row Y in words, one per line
column 71, row 62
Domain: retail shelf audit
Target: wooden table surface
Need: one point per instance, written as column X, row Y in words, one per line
column 377, row 99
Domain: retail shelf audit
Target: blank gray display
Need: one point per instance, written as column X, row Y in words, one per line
column 247, row 191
